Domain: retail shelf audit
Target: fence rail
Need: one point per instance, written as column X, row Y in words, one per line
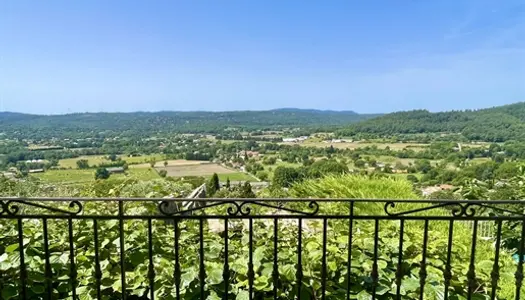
column 141, row 248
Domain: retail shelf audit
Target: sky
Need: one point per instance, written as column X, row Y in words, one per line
column 366, row 56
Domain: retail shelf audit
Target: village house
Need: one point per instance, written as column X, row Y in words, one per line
column 427, row 191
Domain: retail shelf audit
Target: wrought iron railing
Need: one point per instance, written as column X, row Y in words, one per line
column 115, row 248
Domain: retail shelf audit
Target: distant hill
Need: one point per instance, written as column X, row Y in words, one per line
column 149, row 123
column 317, row 111
column 496, row 124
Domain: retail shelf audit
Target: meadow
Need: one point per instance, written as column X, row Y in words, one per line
column 98, row 159
column 356, row 145
column 76, row 176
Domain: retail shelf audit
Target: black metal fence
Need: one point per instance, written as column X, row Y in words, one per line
column 118, row 248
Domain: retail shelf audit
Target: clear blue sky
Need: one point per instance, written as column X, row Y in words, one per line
column 367, row 56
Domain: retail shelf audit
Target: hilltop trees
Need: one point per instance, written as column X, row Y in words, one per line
column 496, row 124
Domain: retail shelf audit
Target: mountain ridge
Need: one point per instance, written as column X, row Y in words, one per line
column 17, row 125
column 282, row 109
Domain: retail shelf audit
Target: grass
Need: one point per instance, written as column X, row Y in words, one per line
column 72, row 162
column 66, row 176
column 171, row 163
column 404, row 175
column 98, row 159
column 356, row 145
column 235, row 177
column 196, row 170
column 480, row 160
column 144, row 159
column 76, row 176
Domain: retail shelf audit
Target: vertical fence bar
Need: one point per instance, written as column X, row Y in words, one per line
column 151, row 267
column 23, row 271
column 399, row 271
column 251, row 274
column 349, row 263
column 122, row 257
column 323, row 270
column 478, row 228
column 202, row 271
column 448, row 269
column 98, row 272
column 72, row 269
column 177, row 274
column 375, row 272
column 494, row 275
column 48, row 274
column 226, row 272
column 275, row 273
column 519, row 271
column 471, row 274
column 299, row 257
column 423, row 267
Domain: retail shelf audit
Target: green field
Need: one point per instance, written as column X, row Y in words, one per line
column 98, row 159
column 235, row 177
column 143, row 159
column 75, row 176
column 356, row 145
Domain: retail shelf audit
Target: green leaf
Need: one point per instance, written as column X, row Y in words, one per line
column 11, row 248
column 381, row 290
column 38, row 289
column 261, row 283
column 215, row 276
column 243, row 295
column 288, row 271
column 410, row 284
column 9, row 292
column 117, row 286
column 364, row 295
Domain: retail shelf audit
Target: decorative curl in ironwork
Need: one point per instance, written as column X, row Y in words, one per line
column 9, row 208
column 237, row 208
column 457, row 209
column 12, row 207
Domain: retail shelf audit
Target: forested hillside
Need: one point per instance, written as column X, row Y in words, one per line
column 147, row 123
column 495, row 124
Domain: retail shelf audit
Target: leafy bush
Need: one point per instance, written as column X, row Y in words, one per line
column 136, row 249
column 102, row 173
column 163, row 173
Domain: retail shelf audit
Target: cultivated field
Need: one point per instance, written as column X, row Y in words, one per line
column 239, row 176
column 76, row 176
column 171, row 163
column 196, row 170
column 98, row 159
column 356, row 145
column 72, row 162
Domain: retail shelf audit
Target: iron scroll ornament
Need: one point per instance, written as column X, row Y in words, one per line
column 457, row 209
column 238, row 208
column 13, row 207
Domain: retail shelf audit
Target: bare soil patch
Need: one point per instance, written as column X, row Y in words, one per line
column 196, row 170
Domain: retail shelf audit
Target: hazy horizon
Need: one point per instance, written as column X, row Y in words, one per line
column 244, row 110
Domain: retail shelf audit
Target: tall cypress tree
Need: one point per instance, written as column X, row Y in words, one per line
column 213, row 185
